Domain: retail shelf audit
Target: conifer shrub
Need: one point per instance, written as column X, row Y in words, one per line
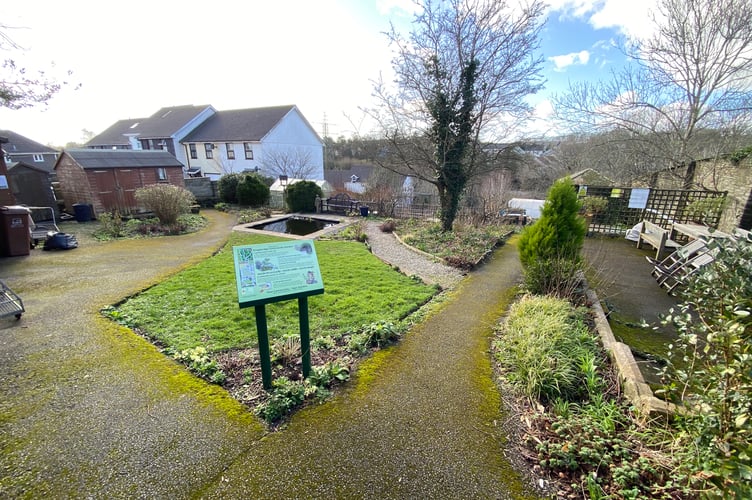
column 228, row 186
column 252, row 191
column 550, row 248
column 301, row 196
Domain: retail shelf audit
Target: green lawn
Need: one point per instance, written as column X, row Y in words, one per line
column 199, row 306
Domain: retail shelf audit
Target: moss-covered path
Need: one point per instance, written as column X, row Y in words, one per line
column 421, row 420
column 87, row 409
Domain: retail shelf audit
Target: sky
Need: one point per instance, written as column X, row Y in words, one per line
column 129, row 59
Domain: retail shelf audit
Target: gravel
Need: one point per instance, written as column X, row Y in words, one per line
column 410, row 261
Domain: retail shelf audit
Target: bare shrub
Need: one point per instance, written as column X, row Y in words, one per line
column 167, row 201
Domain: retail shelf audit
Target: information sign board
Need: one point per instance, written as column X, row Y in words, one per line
column 274, row 272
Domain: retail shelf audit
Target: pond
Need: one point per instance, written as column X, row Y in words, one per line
column 299, row 226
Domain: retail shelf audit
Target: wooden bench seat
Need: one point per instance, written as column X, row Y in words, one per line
column 340, row 203
column 657, row 237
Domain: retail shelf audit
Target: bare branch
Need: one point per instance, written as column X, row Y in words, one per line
column 693, row 75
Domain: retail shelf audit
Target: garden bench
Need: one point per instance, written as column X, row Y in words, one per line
column 339, row 203
column 657, row 237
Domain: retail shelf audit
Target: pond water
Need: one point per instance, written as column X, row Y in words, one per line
column 299, row 226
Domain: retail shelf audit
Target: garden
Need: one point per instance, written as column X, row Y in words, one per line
column 561, row 395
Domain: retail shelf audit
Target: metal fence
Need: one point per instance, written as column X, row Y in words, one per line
column 626, row 207
column 401, row 209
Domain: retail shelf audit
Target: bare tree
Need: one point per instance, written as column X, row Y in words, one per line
column 461, row 74
column 295, row 163
column 20, row 88
column 693, row 75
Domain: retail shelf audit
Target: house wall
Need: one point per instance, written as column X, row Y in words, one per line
column 294, row 132
column 6, row 195
column 47, row 164
column 180, row 151
column 220, row 164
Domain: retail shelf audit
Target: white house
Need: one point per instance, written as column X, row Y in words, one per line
column 163, row 130
column 273, row 141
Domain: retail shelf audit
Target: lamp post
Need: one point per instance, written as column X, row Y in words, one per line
column 283, row 182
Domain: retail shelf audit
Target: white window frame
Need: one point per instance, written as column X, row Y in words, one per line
column 38, row 158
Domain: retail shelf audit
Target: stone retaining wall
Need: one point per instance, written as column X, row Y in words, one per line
column 633, row 383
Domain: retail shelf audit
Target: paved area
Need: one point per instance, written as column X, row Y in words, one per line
column 90, row 410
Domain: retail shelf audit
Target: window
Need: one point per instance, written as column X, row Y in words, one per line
column 230, row 151
column 248, row 150
column 194, row 153
column 208, row 147
column 38, row 158
column 161, row 174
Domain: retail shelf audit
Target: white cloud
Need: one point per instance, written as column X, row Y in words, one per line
column 630, row 18
column 398, row 7
column 564, row 61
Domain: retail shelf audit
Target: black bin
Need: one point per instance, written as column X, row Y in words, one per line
column 82, row 212
column 363, row 211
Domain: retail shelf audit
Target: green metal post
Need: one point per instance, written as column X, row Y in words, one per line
column 305, row 338
column 263, row 342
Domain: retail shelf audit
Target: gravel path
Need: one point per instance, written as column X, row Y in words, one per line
column 386, row 247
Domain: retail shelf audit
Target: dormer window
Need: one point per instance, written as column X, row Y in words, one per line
column 38, row 158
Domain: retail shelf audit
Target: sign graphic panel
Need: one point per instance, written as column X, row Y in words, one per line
column 273, row 272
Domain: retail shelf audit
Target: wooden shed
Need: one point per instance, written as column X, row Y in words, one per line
column 31, row 185
column 107, row 179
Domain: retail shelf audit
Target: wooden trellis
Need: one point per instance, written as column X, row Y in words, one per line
column 626, row 207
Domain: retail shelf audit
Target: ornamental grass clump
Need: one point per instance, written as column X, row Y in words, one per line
column 540, row 348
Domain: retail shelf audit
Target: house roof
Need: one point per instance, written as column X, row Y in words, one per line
column 18, row 144
column 339, row 177
column 122, row 158
column 114, row 135
column 23, row 164
column 164, row 123
column 239, row 124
